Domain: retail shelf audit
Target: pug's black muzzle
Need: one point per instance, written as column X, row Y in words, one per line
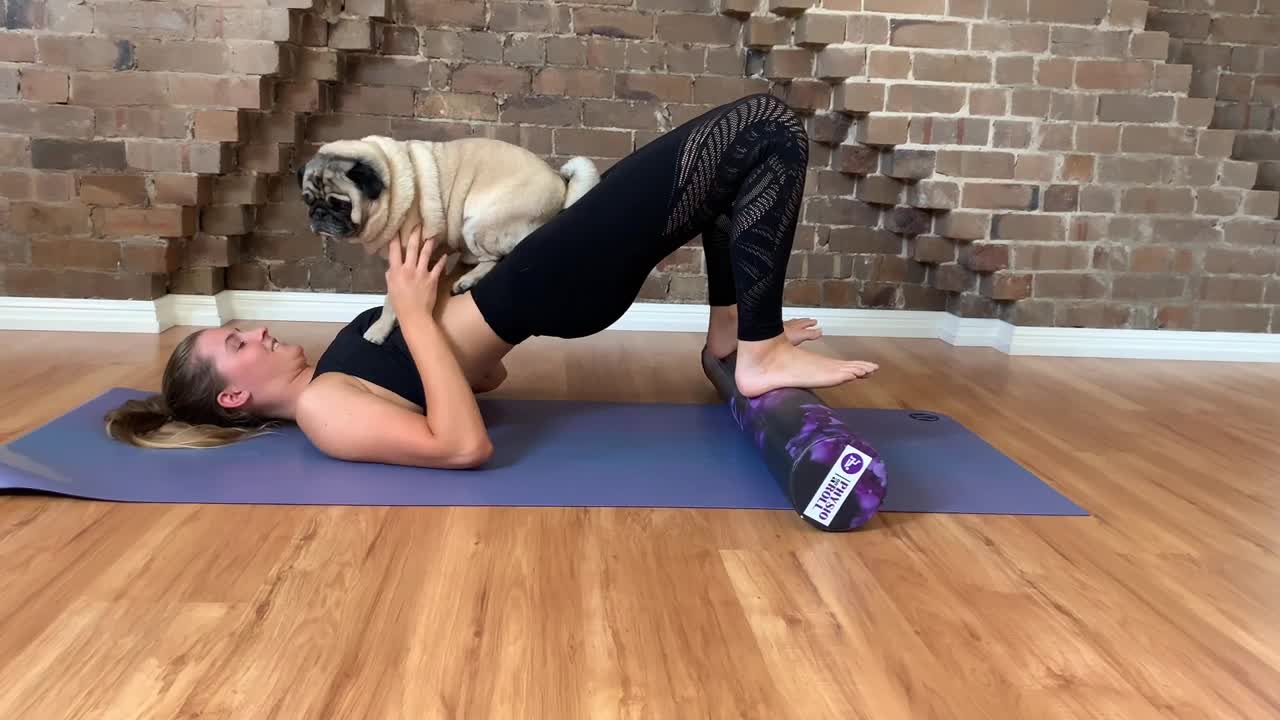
column 327, row 221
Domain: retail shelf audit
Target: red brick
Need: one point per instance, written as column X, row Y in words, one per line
column 236, row 91
column 1251, row 232
column 592, row 143
column 933, row 195
column 1077, row 12
column 351, row 34
column 837, row 63
column 1148, row 286
column 1158, row 140
column 1232, row 319
column 1030, row 102
column 614, row 23
column 109, row 190
column 925, row 99
column 1055, row 72
column 145, row 255
column 375, row 100
column 840, row 211
column 529, row 17
column 1028, row 226
column 1215, row 143
column 975, row 164
column 992, row 196
column 988, row 101
column 181, row 189
column 1157, row 200
column 455, row 13
column 928, row 34
column 984, row 256
column 787, row 63
column 59, row 154
column 93, row 88
column 162, row 221
column 200, row 56
column 665, row 88
column 205, row 250
column 879, row 189
column 1239, row 261
column 55, row 219
column 44, row 86
column 541, row 110
column 575, row 82
column 618, row 114
column 139, row 122
column 856, row 159
column 76, row 253
column 954, row 278
column 820, row 28
column 1113, row 75
column 1236, row 173
column 858, row 97
column 1095, row 199
column 490, row 79
column 1068, row 285
column 158, row 20
column 953, row 68
column 864, row 240
column 1015, row 70
column 1172, row 78
column 409, row 72
column 220, row 125
column 17, row 47
column 456, row 106
column 1073, row 256
column 960, row 225
column 1197, row 231
column 892, row 64
column 1005, row 286
column 700, row 29
column 1136, row 108
column 239, row 190
column 1008, row 37
column 933, row 249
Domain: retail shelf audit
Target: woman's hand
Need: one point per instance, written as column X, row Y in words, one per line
column 411, row 279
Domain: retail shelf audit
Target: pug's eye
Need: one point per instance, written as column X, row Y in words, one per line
column 339, row 204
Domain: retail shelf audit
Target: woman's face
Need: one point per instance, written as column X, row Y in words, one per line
column 254, row 365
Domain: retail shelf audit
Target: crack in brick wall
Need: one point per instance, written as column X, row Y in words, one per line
column 1042, row 161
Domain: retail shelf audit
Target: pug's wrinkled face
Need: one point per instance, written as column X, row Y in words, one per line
column 338, row 192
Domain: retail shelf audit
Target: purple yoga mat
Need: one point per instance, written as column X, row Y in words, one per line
column 548, row 453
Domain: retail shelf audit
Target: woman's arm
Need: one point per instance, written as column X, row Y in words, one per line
column 350, row 423
column 492, row 380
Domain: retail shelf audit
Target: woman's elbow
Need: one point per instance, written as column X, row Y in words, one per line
column 475, row 455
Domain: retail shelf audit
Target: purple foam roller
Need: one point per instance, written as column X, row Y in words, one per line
column 834, row 479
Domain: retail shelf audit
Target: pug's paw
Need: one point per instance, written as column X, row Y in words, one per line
column 377, row 334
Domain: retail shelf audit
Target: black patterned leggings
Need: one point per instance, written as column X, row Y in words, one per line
column 735, row 175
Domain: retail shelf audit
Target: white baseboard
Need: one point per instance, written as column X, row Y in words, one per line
column 153, row 316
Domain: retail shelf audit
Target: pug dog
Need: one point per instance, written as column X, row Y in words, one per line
column 476, row 197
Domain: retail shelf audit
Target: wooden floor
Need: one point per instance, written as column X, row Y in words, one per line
column 1165, row 603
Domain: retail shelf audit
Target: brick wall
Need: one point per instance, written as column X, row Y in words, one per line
column 1049, row 162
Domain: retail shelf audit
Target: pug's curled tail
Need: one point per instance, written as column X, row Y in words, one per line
column 581, row 174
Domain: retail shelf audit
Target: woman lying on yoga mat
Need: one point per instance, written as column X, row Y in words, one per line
column 735, row 175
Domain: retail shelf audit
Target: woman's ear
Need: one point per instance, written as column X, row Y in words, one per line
column 232, row 398
column 366, row 179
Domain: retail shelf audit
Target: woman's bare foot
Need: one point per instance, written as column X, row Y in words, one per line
column 775, row 363
column 722, row 331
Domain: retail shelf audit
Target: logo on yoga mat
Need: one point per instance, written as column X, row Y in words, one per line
column 923, row 417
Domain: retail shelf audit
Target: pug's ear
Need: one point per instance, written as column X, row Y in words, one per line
column 366, row 179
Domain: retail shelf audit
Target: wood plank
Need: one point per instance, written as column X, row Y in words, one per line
column 1161, row 604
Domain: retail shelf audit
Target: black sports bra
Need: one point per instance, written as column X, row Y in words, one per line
column 389, row 365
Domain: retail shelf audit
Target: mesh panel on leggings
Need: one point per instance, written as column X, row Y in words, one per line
column 747, row 163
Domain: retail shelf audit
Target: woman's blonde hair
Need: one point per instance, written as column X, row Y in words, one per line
column 186, row 413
